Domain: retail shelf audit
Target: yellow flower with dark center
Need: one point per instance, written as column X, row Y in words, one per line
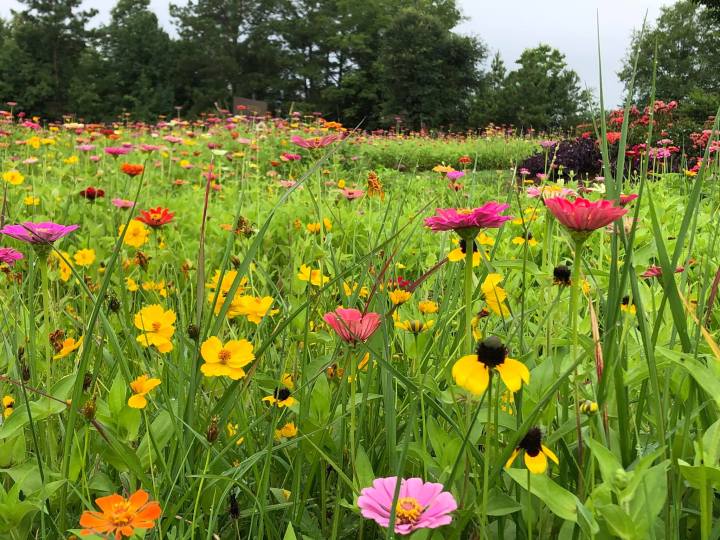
column 495, row 295
column 458, row 254
column 156, row 324
column 140, row 387
column 8, row 403
column 627, row 306
column 427, row 307
column 69, row 345
column 314, row 277
column 415, row 326
column 14, row 178
column 472, row 372
column 528, row 238
column 399, row 296
column 588, row 407
column 84, row 257
column 137, row 233
column 288, row 431
column 536, row 453
column 226, row 360
column 281, row 397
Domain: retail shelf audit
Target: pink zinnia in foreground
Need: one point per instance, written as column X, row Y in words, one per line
column 582, row 215
column 45, row 232
column 453, row 219
column 351, row 325
column 9, row 256
column 420, row 505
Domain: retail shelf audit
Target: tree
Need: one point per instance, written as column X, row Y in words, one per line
column 543, row 93
column 44, row 48
column 428, row 72
column 688, row 60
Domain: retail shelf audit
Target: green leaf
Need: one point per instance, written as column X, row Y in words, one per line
column 609, row 464
column 617, row 521
column 560, row 501
column 500, row 504
column 289, row 533
column 161, row 430
column 363, row 469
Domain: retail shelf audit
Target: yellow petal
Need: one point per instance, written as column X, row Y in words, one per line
column 471, row 374
column 536, row 464
column 513, row 374
column 549, row 453
column 512, row 458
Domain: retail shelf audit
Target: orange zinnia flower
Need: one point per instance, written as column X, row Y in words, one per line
column 132, row 169
column 120, row 516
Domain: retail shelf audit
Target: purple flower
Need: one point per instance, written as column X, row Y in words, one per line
column 420, row 505
column 547, row 145
column 454, row 175
column 10, row 255
column 45, row 232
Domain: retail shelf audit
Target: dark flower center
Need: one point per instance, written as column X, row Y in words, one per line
column 561, row 275
column 625, row 300
column 281, row 394
column 463, row 246
column 532, row 442
column 491, row 352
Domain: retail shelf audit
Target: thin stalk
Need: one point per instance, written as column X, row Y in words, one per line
column 574, row 294
column 469, row 243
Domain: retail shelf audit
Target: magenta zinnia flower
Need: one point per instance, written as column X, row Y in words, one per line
column 352, row 194
column 315, row 142
column 656, row 271
column 45, row 232
column 455, row 219
column 9, row 256
column 454, row 175
column 420, row 505
column 582, row 215
column 116, row 151
column 352, row 325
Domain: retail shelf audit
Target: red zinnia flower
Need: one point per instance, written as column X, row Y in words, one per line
column 627, row 199
column 132, row 169
column 352, row 325
column 156, row 217
column 582, row 215
column 92, row 193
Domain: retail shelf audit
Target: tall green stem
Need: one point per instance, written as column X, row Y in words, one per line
column 47, row 326
column 574, row 294
column 486, row 460
column 469, row 243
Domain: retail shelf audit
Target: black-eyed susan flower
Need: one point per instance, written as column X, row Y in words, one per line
column 69, row 345
column 458, row 254
column 140, row 388
column 8, row 404
column 527, row 238
column 428, row 307
column 562, row 275
column 495, row 295
column 415, row 326
column 472, row 372
column 627, row 306
column 536, row 453
column 588, row 407
column 281, row 397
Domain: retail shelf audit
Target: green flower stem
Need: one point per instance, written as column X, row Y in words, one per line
column 468, row 293
column 486, row 460
column 47, row 326
column 574, row 296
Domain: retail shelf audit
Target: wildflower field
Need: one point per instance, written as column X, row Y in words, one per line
column 244, row 327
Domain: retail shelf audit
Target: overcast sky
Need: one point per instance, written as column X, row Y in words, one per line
column 509, row 26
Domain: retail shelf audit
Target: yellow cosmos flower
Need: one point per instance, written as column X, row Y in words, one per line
column 288, row 431
column 427, row 307
column 14, row 178
column 156, row 324
column 531, row 214
column 472, row 372
column 69, row 345
column 131, row 284
column 31, row 201
column 226, row 360
column 495, row 295
column 350, row 290
column 140, row 387
column 157, row 286
column 314, row 277
column 442, row 168
column 415, row 326
column 536, row 453
column 399, row 296
column 484, row 240
column 252, row 307
column 84, row 257
column 72, row 160
column 63, row 267
column 137, row 234
column 281, row 397
column 287, row 381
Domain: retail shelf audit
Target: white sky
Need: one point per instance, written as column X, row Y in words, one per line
column 509, row 26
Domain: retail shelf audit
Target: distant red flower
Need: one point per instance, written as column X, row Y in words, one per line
column 91, row 193
column 655, row 271
column 582, row 215
column 464, row 160
column 156, row 217
column 613, row 137
column 132, row 169
column 627, row 199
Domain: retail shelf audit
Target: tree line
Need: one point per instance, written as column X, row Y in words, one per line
column 375, row 63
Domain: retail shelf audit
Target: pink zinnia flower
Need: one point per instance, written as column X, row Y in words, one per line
column 453, row 219
column 420, row 505
column 287, row 156
column 582, row 215
column 315, row 142
column 45, row 232
column 116, row 151
column 454, row 175
column 289, row 183
column 656, row 271
column 9, row 256
column 550, row 189
column 122, row 203
column 352, row 194
column 351, row 325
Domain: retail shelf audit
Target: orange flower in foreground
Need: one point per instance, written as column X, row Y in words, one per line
column 119, row 516
column 131, row 169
